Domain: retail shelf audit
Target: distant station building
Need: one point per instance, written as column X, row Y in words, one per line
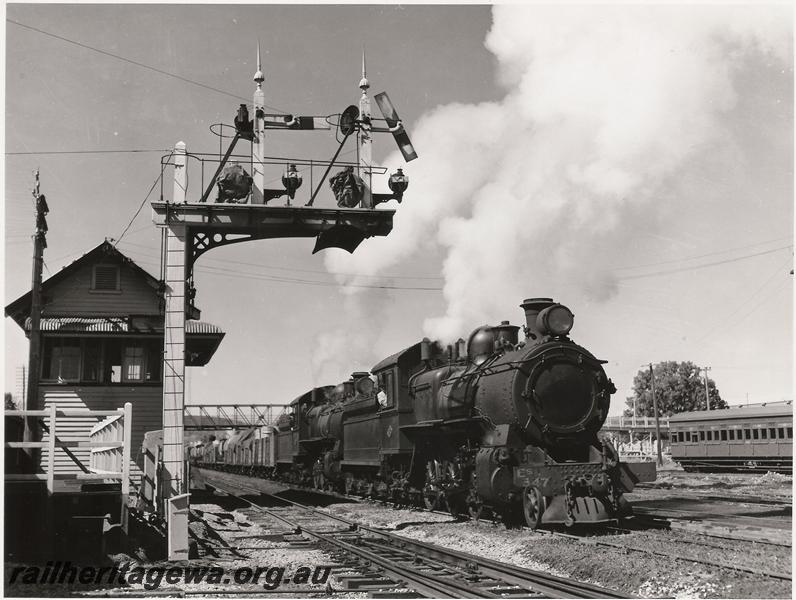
column 102, row 331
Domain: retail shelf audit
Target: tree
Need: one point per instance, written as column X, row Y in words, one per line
column 679, row 387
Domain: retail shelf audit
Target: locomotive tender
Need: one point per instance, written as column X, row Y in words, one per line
column 500, row 423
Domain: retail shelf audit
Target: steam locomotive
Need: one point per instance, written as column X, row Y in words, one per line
column 500, row 423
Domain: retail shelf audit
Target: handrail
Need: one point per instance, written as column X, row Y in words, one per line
column 62, row 413
column 623, row 421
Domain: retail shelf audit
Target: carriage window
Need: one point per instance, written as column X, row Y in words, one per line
column 694, row 437
column 710, row 436
column 772, row 432
column 790, row 432
column 764, row 434
column 781, row 432
column 723, row 435
column 747, row 434
column 755, row 434
column 701, row 436
column 732, row 434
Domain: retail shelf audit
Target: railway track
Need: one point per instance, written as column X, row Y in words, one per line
column 744, row 529
column 399, row 566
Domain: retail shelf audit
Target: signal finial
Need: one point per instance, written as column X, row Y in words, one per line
column 258, row 76
column 364, row 84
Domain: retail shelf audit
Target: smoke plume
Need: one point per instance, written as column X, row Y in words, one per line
column 603, row 107
column 339, row 352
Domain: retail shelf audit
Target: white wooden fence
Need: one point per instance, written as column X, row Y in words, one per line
column 109, row 443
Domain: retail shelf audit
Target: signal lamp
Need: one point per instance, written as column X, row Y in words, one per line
column 555, row 320
column 398, row 182
column 291, row 179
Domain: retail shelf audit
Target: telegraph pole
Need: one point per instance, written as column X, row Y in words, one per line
column 31, row 431
column 707, row 391
column 657, row 421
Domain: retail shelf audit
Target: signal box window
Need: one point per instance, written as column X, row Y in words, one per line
column 105, row 278
column 133, row 363
column 113, row 362
column 92, row 355
column 61, row 360
column 154, row 359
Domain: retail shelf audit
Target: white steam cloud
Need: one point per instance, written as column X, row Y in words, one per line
column 604, row 106
column 337, row 353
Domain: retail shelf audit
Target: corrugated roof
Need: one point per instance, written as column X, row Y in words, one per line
column 118, row 325
column 201, row 327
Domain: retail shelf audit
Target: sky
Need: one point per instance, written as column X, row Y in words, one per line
column 634, row 163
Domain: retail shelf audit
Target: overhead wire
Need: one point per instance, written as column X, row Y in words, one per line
column 779, row 270
column 424, row 277
column 704, row 265
column 137, row 212
column 135, row 62
column 677, row 260
column 297, row 270
column 210, row 270
column 45, row 152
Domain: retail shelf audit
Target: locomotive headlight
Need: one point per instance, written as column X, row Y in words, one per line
column 555, row 320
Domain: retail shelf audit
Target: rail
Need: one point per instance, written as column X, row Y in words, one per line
column 384, row 549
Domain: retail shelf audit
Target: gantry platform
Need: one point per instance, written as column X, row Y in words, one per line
column 212, row 224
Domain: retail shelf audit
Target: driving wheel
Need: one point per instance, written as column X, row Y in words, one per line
column 532, row 506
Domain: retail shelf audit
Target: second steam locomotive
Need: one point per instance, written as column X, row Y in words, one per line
column 500, row 423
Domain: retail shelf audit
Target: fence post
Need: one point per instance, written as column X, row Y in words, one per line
column 51, row 446
column 128, row 423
